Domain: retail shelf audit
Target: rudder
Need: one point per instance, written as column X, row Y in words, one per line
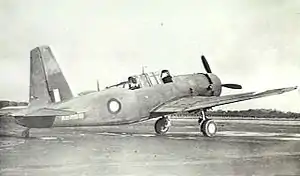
column 47, row 82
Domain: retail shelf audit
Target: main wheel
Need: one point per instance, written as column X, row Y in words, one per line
column 208, row 128
column 162, row 126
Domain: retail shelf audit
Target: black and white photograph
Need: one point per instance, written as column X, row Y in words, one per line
column 149, row 87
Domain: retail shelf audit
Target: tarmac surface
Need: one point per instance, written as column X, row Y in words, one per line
column 241, row 147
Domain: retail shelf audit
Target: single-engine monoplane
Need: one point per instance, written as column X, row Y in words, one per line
column 141, row 97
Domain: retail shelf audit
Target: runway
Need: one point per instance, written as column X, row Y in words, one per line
column 241, row 147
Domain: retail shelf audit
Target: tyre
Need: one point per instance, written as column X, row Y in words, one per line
column 162, row 126
column 209, row 128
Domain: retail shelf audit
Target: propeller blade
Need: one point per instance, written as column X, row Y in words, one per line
column 205, row 64
column 232, row 86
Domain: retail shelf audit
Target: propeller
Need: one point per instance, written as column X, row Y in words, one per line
column 208, row 70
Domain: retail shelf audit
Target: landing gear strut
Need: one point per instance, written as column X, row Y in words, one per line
column 25, row 133
column 162, row 125
column 207, row 126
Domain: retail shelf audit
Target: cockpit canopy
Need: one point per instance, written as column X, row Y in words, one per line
column 146, row 80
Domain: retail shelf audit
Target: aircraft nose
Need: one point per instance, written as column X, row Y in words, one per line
column 215, row 85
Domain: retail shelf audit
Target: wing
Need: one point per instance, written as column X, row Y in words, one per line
column 192, row 103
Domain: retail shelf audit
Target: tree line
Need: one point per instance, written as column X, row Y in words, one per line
column 5, row 103
column 253, row 113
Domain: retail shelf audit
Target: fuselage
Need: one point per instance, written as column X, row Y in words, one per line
column 116, row 106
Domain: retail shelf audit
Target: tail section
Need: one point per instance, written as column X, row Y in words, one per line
column 47, row 82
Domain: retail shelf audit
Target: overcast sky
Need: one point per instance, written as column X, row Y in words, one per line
column 253, row 43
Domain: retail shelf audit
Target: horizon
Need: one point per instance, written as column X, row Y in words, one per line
column 21, row 102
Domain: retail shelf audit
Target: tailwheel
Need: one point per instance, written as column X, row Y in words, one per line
column 208, row 127
column 162, row 125
column 25, row 133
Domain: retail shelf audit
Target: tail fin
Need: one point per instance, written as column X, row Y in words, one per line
column 47, row 82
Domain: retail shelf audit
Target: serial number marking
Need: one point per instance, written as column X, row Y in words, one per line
column 72, row 117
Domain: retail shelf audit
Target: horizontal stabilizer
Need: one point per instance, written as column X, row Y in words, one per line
column 51, row 112
column 11, row 109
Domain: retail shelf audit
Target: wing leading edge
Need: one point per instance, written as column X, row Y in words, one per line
column 191, row 103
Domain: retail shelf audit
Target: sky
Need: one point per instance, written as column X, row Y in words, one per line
column 253, row 43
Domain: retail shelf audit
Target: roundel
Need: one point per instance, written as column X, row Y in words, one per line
column 113, row 106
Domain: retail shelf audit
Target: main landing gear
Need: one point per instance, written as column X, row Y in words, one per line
column 207, row 126
column 162, row 125
column 25, row 133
